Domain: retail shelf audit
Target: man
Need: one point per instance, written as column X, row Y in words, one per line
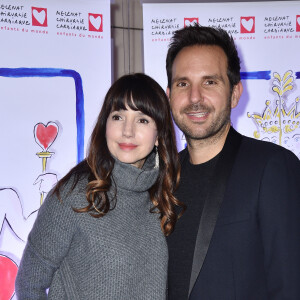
column 240, row 235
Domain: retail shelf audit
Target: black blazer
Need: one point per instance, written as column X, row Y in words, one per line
column 248, row 242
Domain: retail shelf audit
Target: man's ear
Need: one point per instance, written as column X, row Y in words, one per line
column 236, row 94
column 168, row 92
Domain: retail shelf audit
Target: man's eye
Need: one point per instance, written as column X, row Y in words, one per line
column 210, row 82
column 181, row 84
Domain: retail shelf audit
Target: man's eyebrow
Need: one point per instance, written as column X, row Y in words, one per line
column 206, row 77
column 214, row 77
column 175, row 79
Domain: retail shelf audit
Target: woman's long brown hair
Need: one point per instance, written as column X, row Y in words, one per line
column 139, row 92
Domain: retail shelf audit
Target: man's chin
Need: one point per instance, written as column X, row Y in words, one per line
column 205, row 134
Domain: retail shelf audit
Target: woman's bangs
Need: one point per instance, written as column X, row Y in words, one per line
column 143, row 101
column 137, row 95
column 135, row 100
column 118, row 102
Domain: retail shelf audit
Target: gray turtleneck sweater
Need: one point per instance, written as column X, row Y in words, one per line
column 122, row 255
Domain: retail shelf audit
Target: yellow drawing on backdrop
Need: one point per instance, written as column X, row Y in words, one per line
column 279, row 123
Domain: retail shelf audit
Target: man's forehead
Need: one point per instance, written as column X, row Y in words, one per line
column 202, row 48
column 187, row 54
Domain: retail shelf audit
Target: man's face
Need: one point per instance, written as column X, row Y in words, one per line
column 200, row 95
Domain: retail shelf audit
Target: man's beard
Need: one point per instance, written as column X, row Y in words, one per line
column 216, row 127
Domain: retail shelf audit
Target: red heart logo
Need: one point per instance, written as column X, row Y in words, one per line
column 8, row 273
column 45, row 135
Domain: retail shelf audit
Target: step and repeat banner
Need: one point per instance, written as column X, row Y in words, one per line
column 267, row 35
column 55, row 70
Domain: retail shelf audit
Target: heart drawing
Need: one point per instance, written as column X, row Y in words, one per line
column 96, row 22
column 8, row 273
column 248, row 24
column 45, row 135
column 39, row 16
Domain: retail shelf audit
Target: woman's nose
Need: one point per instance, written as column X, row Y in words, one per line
column 128, row 128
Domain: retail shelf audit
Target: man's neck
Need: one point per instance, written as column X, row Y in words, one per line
column 201, row 151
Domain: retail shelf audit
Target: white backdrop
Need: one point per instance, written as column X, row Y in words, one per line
column 267, row 35
column 54, row 73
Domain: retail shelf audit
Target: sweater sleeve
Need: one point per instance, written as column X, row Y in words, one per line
column 48, row 244
column 280, row 225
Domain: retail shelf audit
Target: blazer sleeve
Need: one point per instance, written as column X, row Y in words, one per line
column 48, row 244
column 279, row 217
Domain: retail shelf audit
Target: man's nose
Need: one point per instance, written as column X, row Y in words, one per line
column 196, row 94
column 128, row 128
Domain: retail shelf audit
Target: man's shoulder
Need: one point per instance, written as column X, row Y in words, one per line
column 252, row 147
column 252, row 142
column 265, row 150
column 263, row 145
column 248, row 144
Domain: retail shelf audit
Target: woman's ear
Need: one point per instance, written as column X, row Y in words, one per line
column 156, row 142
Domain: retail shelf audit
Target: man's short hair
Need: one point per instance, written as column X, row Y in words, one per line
column 198, row 35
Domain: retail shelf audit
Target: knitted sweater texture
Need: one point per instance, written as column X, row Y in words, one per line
column 122, row 255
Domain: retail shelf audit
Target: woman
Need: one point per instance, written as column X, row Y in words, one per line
column 100, row 235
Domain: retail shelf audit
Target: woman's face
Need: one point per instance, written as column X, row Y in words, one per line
column 131, row 136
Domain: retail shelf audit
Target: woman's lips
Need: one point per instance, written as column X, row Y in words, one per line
column 125, row 146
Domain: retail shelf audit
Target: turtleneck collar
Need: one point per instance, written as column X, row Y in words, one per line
column 131, row 178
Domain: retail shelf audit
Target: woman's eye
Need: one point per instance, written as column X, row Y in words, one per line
column 116, row 117
column 143, row 121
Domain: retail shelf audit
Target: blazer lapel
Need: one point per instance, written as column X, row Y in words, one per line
column 213, row 202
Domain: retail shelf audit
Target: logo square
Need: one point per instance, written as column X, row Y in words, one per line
column 298, row 23
column 39, row 16
column 247, row 24
column 96, row 22
column 190, row 21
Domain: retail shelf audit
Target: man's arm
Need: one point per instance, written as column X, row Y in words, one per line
column 279, row 217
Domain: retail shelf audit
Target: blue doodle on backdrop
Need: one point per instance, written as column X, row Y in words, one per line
column 266, row 75
column 53, row 72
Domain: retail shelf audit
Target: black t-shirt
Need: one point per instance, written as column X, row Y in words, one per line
column 194, row 186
